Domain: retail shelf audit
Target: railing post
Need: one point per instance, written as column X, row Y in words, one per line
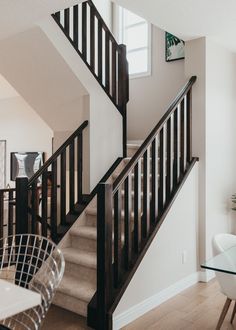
column 104, row 255
column 22, row 205
column 123, row 90
column 189, row 125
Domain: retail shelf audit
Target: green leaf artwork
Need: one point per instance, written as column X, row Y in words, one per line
column 174, row 48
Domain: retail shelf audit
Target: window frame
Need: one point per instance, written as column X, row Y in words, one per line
column 120, row 37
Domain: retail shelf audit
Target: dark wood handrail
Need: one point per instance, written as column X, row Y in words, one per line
column 57, row 153
column 120, row 179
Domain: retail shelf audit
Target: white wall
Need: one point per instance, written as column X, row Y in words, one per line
column 220, row 138
column 35, row 68
column 214, row 135
column 162, row 265
column 195, row 58
column 23, row 129
column 151, row 95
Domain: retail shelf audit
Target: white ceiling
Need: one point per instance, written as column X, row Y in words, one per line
column 20, row 15
column 190, row 19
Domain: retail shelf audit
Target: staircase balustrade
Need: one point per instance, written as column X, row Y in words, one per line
column 132, row 209
column 105, row 58
column 46, row 203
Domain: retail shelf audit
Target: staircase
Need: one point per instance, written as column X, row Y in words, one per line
column 79, row 248
column 104, row 235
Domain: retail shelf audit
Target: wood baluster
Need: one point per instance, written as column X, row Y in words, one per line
column 182, row 138
column 176, row 155
column 137, row 208
column 168, row 160
column 154, row 182
column 127, row 221
column 100, row 51
column 189, row 125
column 22, row 226
column 84, row 30
column 67, row 21
column 10, row 213
column 117, row 238
column 34, row 206
column 45, row 203
column 107, row 62
column 72, row 175
column 161, row 172
column 80, row 168
column 104, row 253
column 114, row 73
column 54, row 201
column 63, row 188
column 1, row 214
column 122, row 77
column 146, row 193
column 92, row 39
column 76, row 26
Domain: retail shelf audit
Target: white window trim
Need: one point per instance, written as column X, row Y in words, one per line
column 149, row 46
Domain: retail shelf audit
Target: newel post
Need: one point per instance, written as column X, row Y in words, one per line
column 22, row 205
column 123, row 92
column 104, row 255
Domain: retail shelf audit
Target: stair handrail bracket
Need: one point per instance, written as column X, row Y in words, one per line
column 131, row 210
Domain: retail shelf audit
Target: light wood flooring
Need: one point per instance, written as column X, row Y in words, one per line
column 197, row 308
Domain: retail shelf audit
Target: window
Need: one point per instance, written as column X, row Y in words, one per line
column 135, row 33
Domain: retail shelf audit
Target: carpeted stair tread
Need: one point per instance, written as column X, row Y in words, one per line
column 88, row 232
column 91, row 211
column 77, row 288
column 79, row 257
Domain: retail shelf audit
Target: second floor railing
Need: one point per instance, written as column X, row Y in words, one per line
column 91, row 38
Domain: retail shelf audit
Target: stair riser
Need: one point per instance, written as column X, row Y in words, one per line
column 71, row 304
column 131, row 151
column 91, row 220
column 81, row 272
column 84, row 244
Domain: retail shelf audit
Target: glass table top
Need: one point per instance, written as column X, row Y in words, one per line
column 224, row 262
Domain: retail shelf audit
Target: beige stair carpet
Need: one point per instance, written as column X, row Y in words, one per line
column 79, row 249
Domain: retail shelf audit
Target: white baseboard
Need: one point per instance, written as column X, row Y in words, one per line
column 206, row 276
column 145, row 306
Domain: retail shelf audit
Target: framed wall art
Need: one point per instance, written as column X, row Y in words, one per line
column 2, row 164
column 25, row 164
column 174, row 48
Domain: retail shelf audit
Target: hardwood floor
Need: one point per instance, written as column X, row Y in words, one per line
column 197, row 308
column 61, row 319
